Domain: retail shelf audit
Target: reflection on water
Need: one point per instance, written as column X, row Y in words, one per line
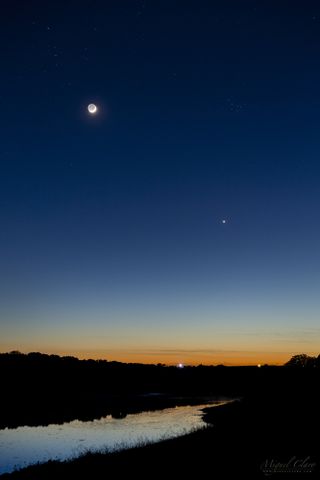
column 23, row 446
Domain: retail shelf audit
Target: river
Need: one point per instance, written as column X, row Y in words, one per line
column 23, row 446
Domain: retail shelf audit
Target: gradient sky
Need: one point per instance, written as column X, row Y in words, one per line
column 111, row 242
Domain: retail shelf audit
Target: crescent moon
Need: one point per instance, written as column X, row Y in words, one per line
column 92, row 108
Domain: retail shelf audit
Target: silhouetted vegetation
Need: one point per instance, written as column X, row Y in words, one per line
column 41, row 389
column 303, row 360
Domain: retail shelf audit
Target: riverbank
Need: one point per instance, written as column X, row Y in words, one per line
column 118, row 406
column 40, row 389
column 243, row 438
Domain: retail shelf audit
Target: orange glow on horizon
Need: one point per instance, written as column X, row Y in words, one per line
column 245, row 358
column 239, row 360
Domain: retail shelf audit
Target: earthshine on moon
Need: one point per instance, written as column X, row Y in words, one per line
column 92, row 108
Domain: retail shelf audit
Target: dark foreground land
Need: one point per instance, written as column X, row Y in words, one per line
column 273, row 430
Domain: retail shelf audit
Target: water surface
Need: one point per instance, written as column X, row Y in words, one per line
column 23, row 446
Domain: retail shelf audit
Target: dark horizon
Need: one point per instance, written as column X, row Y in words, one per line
column 294, row 360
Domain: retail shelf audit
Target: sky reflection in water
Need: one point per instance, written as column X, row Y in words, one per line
column 23, row 446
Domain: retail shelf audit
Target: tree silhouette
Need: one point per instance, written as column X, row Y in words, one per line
column 302, row 360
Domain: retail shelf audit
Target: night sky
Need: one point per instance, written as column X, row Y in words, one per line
column 180, row 223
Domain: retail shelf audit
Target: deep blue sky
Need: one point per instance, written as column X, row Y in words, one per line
column 112, row 241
